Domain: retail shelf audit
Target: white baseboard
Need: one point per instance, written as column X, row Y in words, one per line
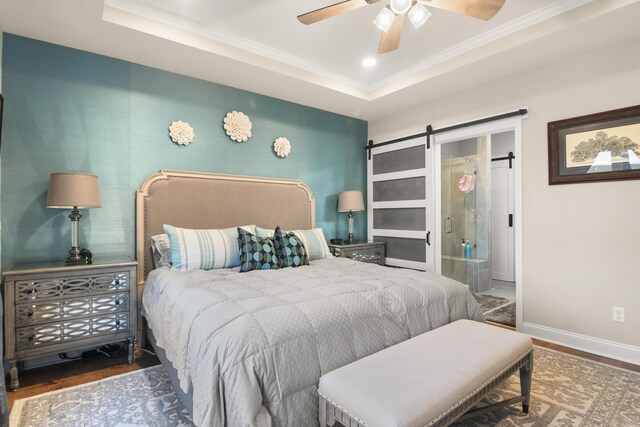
column 612, row 349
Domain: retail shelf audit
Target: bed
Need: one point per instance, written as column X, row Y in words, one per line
column 247, row 349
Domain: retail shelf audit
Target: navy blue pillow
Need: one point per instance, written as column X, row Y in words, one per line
column 256, row 253
column 291, row 251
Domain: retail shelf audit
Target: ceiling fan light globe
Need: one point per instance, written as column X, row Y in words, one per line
column 384, row 20
column 400, row 6
column 418, row 15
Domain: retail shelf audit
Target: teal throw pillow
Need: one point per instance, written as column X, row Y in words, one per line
column 291, row 251
column 256, row 253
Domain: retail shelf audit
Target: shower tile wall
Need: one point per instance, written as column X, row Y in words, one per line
column 462, row 210
column 483, row 194
column 470, row 219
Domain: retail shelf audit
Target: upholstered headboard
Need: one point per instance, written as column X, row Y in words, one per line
column 207, row 200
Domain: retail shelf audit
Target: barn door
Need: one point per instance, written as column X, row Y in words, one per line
column 400, row 202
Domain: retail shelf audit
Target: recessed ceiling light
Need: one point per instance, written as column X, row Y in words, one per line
column 369, row 62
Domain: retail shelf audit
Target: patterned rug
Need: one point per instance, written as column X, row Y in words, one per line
column 497, row 309
column 567, row 391
column 489, row 302
column 505, row 315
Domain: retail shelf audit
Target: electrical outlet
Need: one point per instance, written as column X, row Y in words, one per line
column 618, row 314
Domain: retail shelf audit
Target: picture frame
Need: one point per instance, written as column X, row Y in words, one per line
column 596, row 147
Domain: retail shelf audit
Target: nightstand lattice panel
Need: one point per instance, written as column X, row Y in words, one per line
column 56, row 333
column 68, row 287
column 44, row 312
column 366, row 255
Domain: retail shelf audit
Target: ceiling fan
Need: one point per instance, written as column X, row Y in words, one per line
column 390, row 20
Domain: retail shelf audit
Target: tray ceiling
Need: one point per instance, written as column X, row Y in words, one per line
column 261, row 46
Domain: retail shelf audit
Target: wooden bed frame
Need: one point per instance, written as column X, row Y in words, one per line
column 208, row 200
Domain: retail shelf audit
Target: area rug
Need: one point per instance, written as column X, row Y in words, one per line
column 140, row 398
column 567, row 391
column 505, row 315
column 489, row 302
column 497, row 309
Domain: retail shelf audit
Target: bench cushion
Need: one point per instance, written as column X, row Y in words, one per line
column 415, row 381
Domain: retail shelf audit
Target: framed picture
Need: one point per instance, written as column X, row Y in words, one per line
column 598, row 147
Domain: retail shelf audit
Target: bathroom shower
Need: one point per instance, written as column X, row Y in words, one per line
column 465, row 213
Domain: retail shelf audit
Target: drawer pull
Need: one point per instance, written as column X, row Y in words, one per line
column 30, row 313
column 30, row 338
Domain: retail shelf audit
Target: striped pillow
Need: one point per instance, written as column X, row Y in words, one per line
column 204, row 249
column 314, row 242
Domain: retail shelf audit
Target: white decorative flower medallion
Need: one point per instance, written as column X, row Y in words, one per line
column 282, row 147
column 181, row 133
column 238, row 126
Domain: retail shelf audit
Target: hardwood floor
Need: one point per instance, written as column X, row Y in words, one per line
column 590, row 356
column 69, row 374
column 50, row 378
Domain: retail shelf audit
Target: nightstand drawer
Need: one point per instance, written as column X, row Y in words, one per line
column 372, row 252
column 39, row 312
column 365, row 255
column 38, row 336
column 52, row 288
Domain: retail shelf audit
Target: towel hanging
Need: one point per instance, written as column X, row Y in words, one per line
column 467, row 183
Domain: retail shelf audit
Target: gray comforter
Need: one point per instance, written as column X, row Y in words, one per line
column 253, row 345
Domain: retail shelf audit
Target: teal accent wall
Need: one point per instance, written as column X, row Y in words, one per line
column 68, row 110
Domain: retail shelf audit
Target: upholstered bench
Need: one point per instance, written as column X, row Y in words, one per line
column 429, row 380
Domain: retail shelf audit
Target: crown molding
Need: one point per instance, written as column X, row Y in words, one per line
column 243, row 44
column 483, row 39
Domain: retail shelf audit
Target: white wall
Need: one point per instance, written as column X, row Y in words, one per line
column 581, row 242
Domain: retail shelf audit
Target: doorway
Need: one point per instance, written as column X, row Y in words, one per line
column 502, row 199
column 465, row 224
column 478, row 212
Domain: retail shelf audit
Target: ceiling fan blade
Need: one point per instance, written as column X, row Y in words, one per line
column 333, row 10
column 390, row 40
column 481, row 9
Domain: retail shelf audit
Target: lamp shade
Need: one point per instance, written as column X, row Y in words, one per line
column 68, row 190
column 350, row 201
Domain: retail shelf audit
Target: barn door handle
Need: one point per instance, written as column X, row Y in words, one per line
column 429, row 238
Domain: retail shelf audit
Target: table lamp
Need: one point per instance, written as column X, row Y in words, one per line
column 350, row 201
column 74, row 191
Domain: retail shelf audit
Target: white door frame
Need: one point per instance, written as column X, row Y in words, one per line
column 496, row 126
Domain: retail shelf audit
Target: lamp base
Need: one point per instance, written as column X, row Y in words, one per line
column 78, row 256
column 81, row 261
column 350, row 239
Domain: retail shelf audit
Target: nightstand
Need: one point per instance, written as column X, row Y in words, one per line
column 50, row 308
column 365, row 252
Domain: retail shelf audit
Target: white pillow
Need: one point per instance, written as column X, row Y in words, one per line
column 204, row 249
column 314, row 243
column 264, row 233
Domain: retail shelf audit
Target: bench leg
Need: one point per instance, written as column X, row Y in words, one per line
column 526, row 373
